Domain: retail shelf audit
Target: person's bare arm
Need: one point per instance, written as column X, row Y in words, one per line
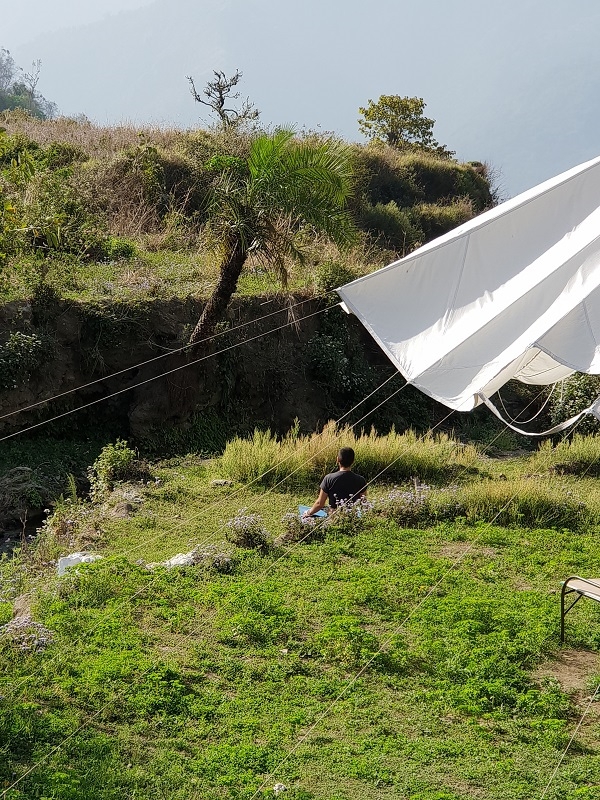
column 318, row 505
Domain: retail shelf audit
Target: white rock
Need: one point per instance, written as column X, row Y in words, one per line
column 73, row 559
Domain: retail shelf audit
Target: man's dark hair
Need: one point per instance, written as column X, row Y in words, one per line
column 346, row 457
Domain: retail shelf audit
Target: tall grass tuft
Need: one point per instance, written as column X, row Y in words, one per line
column 303, row 460
column 526, row 502
column 580, row 456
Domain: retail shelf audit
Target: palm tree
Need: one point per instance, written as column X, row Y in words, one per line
column 270, row 204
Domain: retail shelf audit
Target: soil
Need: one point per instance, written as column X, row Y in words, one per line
column 455, row 551
column 573, row 669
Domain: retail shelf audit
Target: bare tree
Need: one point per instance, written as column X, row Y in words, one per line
column 218, row 94
column 31, row 80
column 8, row 70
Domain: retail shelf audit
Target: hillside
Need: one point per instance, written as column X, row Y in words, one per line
column 216, row 647
column 104, row 251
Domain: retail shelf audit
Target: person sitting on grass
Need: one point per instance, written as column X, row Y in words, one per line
column 340, row 486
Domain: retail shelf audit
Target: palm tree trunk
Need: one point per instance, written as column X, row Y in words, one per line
column 219, row 300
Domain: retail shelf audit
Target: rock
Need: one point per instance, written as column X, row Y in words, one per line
column 221, row 482
column 122, row 510
column 210, row 557
column 66, row 562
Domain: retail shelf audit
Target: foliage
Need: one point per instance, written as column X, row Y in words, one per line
column 394, row 225
column 49, row 462
column 575, row 393
column 435, row 219
column 271, row 207
column 54, row 217
column 526, row 502
column 116, row 462
column 401, row 123
column 247, row 530
column 20, row 488
column 297, row 529
column 20, row 356
column 419, row 659
column 205, row 434
column 102, row 195
column 409, row 506
column 330, row 275
column 18, row 89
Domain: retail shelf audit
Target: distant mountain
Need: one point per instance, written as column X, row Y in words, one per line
column 516, row 88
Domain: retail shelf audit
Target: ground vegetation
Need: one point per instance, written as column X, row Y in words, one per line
column 411, row 650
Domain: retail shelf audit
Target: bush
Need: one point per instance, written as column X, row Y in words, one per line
column 442, row 178
column 114, row 248
column 385, row 176
column 247, row 530
column 55, row 217
column 408, row 507
column 435, row 219
column 330, row 275
column 20, row 355
column 576, row 393
column 116, row 462
column 393, row 224
column 62, row 154
column 298, row 530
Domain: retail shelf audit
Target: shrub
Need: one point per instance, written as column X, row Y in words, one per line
column 435, row 219
column 19, row 488
column 116, row 462
column 576, row 393
column 441, row 178
column 330, row 275
column 25, row 635
column 62, row 154
column 393, row 224
column 385, row 176
column 297, row 530
column 56, row 218
column 114, row 248
column 409, row 506
column 247, row 530
column 20, row 355
column 349, row 517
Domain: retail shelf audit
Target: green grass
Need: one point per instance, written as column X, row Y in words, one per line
column 196, row 684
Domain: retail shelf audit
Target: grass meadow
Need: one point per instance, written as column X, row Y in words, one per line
column 412, row 652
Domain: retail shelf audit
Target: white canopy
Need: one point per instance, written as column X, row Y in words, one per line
column 513, row 293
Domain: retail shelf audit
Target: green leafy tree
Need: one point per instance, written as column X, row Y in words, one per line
column 401, row 123
column 18, row 89
column 270, row 205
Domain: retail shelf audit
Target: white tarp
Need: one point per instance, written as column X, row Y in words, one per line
column 513, row 293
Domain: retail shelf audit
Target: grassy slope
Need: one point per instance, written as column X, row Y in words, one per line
column 196, row 684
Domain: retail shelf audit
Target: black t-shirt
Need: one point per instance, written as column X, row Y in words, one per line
column 343, row 485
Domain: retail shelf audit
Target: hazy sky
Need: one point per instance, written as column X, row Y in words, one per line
column 511, row 82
